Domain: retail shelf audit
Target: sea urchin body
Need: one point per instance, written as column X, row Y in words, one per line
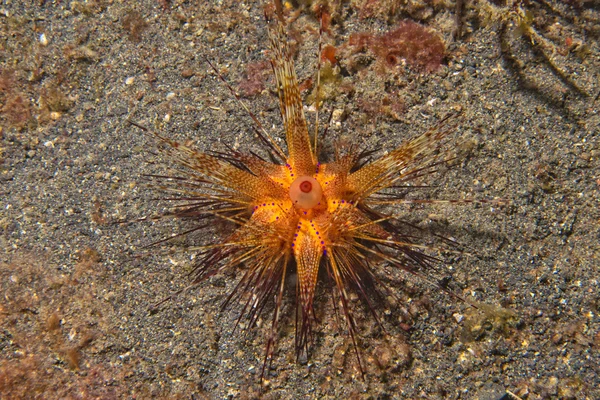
column 297, row 215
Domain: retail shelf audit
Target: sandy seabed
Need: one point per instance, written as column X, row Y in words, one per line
column 77, row 289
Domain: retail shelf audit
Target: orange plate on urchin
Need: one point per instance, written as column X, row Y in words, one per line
column 295, row 216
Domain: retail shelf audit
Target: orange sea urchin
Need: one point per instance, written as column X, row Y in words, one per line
column 296, row 214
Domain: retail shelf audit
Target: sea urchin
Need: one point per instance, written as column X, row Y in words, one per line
column 297, row 216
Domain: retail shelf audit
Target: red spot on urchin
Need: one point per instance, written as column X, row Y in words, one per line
column 306, row 186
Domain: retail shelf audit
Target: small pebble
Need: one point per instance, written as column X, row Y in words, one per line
column 187, row 73
column 458, row 317
column 338, row 116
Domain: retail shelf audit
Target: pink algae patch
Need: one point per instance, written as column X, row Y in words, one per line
column 255, row 79
column 412, row 42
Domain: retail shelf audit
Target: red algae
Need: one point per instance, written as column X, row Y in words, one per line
column 411, row 42
column 255, row 79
